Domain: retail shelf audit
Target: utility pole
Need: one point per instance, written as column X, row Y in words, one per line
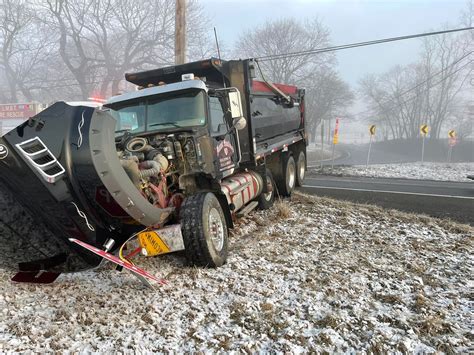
column 180, row 32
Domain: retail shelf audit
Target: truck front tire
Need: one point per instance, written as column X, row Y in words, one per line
column 204, row 229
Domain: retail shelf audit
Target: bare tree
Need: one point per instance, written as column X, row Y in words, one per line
column 327, row 94
column 101, row 40
column 440, row 54
column 421, row 93
column 399, row 114
column 287, row 36
column 23, row 48
column 462, row 120
column 79, row 58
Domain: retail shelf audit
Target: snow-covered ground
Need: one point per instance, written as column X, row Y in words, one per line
column 312, row 275
column 424, row 171
column 315, row 154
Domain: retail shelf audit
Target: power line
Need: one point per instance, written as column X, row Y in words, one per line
column 414, row 97
column 465, row 55
column 266, row 58
column 357, row 44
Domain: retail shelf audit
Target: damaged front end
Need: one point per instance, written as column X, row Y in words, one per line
column 62, row 178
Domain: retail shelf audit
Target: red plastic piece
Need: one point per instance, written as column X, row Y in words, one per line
column 36, row 277
column 138, row 272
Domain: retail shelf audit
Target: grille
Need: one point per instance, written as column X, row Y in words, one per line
column 44, row 160
column 41, row 158
column 33, row 148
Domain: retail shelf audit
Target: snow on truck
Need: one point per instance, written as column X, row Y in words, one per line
column 165, row 168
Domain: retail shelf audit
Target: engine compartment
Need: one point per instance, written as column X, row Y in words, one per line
column 154, row 164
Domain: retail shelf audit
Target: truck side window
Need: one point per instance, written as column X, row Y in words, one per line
column 218, row 124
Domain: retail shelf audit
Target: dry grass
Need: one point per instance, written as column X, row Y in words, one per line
column 283, row 209
column 388, row 298
column 434, row 325
column 421, row 302
column 297, row 280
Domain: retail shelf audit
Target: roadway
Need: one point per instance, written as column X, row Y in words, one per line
column 454, row 200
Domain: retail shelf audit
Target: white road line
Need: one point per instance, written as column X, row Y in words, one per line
column 388, row 192
column 406, row 182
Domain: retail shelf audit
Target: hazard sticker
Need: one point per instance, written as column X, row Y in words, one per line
column 3, row 152
column 152, row 243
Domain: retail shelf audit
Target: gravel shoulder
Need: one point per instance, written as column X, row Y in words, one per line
column 312, row 274
column 419, row 171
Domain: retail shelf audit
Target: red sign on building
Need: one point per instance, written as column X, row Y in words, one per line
column 18, row 111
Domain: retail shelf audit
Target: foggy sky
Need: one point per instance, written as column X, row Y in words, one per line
column 348, row 21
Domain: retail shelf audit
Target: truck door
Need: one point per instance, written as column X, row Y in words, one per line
column 224, row 139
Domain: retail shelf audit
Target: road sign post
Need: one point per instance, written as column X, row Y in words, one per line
column 335, row 140
column 451, row 143
column 372, row 133
column 424, row 131
column 322, row 143
column 423, row 150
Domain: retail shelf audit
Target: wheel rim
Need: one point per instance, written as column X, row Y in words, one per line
column 291, row 175
column 302, row 169
column 268, row 195
column 216, row 228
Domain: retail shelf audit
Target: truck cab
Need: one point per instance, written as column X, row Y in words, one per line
column 190, row 112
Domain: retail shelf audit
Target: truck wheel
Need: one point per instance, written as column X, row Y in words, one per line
column 300, row 168
column 204, row 229
column 266, row 200
column 287, row 180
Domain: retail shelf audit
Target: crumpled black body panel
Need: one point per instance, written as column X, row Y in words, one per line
column 36, row 216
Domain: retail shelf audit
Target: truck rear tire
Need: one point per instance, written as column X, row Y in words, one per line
column 300, row 168
column 287, row 180
column 266, row 200
column 204, row 229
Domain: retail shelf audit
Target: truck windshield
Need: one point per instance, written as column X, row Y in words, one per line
column 171, row 110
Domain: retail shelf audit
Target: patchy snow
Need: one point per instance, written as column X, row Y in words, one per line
column 316, row 155
column 312, row 275
column 421, row 171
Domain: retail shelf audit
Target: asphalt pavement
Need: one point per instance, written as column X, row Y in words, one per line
column 453, row 200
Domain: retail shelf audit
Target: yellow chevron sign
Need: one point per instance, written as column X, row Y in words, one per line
column 372, row 130
column 424, row 129
column 452, row 133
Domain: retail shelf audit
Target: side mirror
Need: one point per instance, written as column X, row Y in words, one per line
column 235, row 104
column 239, row 123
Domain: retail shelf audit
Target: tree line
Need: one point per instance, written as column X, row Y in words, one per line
column 436, row 89
column 74, row 49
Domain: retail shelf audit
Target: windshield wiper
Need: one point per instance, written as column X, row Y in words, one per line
column 165, row 123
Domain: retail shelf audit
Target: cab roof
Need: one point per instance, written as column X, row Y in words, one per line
column 156, row 90
column 213, row 69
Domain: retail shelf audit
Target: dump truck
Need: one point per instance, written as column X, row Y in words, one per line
column 168, row 167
